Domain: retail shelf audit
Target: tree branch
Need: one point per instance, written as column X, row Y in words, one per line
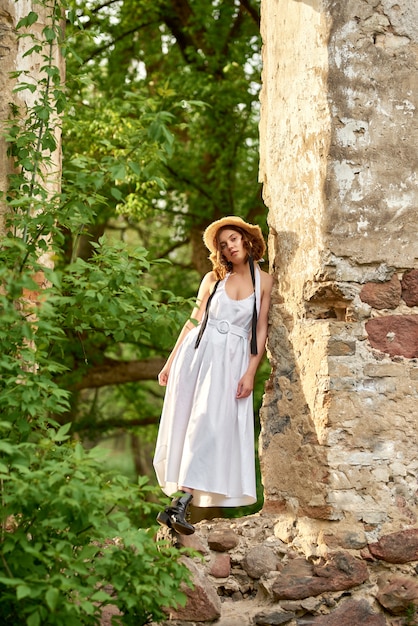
column 103, row 6
column 183, row 178
column 113, row 423
column 255, row 15
column 113, row 372
column 115, row 40
column 178, row 21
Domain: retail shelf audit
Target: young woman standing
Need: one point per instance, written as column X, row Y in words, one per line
column 205, row 444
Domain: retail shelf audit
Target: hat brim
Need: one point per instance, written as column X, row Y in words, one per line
column 210, row 234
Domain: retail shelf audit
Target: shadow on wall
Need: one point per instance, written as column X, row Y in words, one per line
column 294, row 465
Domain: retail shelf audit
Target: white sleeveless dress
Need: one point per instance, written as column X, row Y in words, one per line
column 206, row 436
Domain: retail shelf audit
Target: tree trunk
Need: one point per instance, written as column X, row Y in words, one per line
column 13, row 59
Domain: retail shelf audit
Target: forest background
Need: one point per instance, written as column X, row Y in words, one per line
column 160, row 138
column 159, row 118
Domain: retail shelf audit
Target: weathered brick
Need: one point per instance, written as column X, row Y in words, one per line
column 396, row 335
column 398, row 594
column 385, row 295
column 399, row 547
column 339, row 347
column 410, row 288
column 221, row 566
column 384, row 369
column 349, row 613
column 352, row 233
column 341, row 571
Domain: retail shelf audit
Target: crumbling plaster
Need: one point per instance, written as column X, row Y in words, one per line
column 372, row 184
column 339, row 170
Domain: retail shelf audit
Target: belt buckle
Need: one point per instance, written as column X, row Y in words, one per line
column 223, row 327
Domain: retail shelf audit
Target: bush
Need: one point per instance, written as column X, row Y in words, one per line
column 70, row 542
column 72, row 537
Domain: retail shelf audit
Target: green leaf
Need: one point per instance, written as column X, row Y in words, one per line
column 72, row 16
column 27, row 21
column 22, row 591
column 100, row 596
column 79, row 452
column 4, row 580
column 118, row 171
column 87, row 607
column 35, row 49
column 52, row 597
column 135, row 167
column 116, row 193
column 6, row 447
column 61, row 434
column 34, row 619
column 22, row 86
column 49, row 34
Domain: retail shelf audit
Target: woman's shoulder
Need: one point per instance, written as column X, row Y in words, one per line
column 210, row 277
column 209, row 280
column 266, row 280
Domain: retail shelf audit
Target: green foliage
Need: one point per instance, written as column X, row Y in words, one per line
column 159, row 118
column 73, row 537
column 27, row 386
column 164, row 119
column 198, row 65
column 125, row 142
column 161, row 137
column 70, row 542
column 411, row 615
column 103, row 303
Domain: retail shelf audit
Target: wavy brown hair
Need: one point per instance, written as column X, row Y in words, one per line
column 254, row 246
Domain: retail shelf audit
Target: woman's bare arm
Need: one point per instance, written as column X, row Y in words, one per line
column 196, row 316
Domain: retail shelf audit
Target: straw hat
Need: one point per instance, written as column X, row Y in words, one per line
column 211, row 232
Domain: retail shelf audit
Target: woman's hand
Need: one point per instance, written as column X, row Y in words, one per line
column 245, row 386
column 163, row 376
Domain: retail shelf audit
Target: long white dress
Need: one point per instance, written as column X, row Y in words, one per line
column 206, row 436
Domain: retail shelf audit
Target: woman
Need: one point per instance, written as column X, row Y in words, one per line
column 205, row 444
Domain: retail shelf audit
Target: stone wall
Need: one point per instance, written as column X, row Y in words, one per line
column 339, row 130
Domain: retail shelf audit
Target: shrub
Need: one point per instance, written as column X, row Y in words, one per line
column 72, row 537
column 71, row 542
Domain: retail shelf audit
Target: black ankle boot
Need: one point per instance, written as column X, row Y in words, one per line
column 174, row 515
column 163, row 517
column 178, row 512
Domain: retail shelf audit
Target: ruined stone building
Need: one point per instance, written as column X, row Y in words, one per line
column 339, row 165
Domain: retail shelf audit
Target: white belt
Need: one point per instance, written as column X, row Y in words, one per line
column 223, row 327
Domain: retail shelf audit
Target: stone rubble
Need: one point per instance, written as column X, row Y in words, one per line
column 247, row 575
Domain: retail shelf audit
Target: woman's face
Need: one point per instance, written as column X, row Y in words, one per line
column 231, row 246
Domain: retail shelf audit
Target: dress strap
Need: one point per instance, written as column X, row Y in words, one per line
column 254, row 318
column 258, row 288
column 206, row 315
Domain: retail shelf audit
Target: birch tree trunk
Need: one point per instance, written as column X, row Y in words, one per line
column 12, row 60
